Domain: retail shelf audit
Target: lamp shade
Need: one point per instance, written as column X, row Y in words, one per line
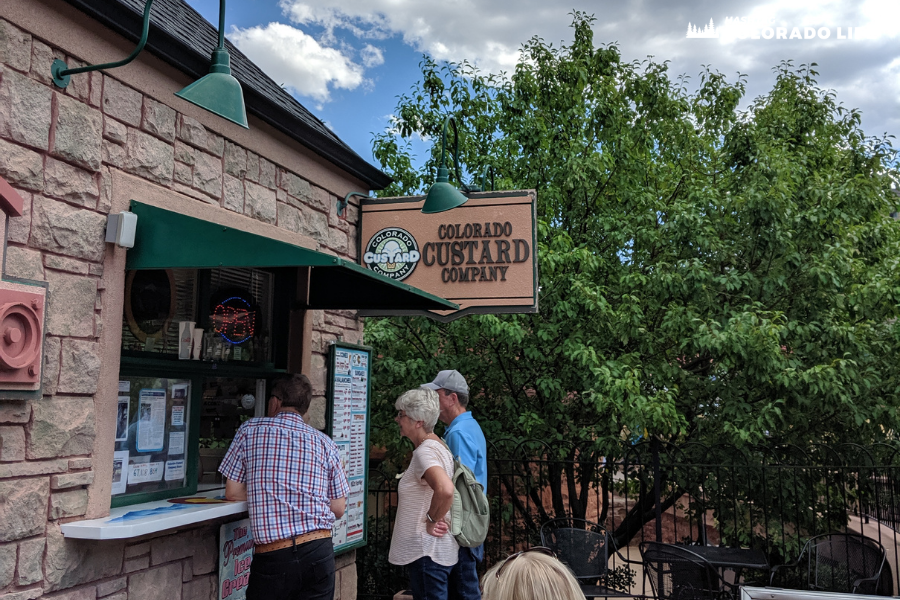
column 442, row 195
column 218, row 92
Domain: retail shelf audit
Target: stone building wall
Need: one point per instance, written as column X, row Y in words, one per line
column 59, row 149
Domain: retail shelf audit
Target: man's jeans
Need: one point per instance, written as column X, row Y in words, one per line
column 427, row 579
column 304, row 572
column 464, row 576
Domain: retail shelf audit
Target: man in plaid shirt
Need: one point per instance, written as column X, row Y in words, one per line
column 292, row 479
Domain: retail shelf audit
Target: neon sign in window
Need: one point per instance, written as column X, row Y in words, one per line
column 234, row 319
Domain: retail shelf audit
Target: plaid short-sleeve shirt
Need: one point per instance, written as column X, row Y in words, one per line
column 292, row 472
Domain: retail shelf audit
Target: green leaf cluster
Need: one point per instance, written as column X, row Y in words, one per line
column 706, row 272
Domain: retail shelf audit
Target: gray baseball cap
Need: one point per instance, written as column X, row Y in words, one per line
column 449, row 380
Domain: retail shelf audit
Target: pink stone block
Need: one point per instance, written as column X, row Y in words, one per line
column 22, row 311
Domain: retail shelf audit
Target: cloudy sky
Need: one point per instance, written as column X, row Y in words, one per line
column 347, row 61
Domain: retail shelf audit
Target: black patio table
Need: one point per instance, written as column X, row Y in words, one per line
column 724, row 557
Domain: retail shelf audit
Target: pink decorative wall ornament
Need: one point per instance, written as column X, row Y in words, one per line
column 22, row 307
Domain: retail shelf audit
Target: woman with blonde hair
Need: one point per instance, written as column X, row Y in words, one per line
column 421, row 539
column 533, row 574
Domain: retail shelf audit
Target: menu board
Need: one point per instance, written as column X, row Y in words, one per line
column 348, row 413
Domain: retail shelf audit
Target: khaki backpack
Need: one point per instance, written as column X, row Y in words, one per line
column 470, row 514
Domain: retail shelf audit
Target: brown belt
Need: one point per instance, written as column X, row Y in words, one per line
column 318, row 534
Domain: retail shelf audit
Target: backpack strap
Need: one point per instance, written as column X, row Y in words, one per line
column 448, row 449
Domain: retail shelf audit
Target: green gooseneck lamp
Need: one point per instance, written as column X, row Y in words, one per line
column 442, row 195
column 342, row 204
column 61, row 74
column 219, row 92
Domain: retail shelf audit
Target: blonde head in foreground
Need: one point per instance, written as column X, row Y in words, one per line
column 530, row 576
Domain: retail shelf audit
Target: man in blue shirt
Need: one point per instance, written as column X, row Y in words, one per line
column 466, row 441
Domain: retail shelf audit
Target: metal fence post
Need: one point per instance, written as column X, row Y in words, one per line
column 657, row 493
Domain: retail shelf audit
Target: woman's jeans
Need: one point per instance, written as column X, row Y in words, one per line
column 427, row 579
column 464, row 575
column 304, row 572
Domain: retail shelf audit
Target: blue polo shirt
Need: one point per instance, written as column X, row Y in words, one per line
column 466, row 440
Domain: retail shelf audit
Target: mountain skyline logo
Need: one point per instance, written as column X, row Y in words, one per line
column 709, row 31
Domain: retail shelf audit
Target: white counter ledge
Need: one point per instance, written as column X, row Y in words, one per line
column 149, row 517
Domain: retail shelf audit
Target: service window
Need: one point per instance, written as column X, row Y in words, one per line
column 227, row 402
column 177, row 416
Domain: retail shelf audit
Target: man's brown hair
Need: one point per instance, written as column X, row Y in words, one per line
column 294, row 391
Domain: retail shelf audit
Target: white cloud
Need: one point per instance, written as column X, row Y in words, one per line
column 371, row 56
column 881, row 18
column 298, row 61
column 490, row 34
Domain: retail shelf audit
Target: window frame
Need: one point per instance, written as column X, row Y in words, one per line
column 196, row 372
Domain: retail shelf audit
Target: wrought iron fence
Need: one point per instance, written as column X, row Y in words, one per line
column 768, row 498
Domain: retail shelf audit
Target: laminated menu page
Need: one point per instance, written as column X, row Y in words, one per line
column 349, row 394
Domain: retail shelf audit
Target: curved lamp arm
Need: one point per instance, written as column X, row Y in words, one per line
column 484, row 173
column 342, row 204
column 62, row 75
column 442, row 195
column 462, row 185
column 447, row 123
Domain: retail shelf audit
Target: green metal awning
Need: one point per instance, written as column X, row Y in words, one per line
column 169, row 240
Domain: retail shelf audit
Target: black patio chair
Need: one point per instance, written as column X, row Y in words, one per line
column 583, row 546
column 834, row 562
column 677, row 573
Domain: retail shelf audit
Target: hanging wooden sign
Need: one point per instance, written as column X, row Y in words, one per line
column 480, row 255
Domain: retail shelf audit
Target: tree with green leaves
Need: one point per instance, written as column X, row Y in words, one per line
column 707, row 272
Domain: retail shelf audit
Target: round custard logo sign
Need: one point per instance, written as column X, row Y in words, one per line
column 392, row 252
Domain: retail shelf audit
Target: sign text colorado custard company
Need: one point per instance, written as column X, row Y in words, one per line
column 479, row 255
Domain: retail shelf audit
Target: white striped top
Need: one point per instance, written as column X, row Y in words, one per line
column 410, row 541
